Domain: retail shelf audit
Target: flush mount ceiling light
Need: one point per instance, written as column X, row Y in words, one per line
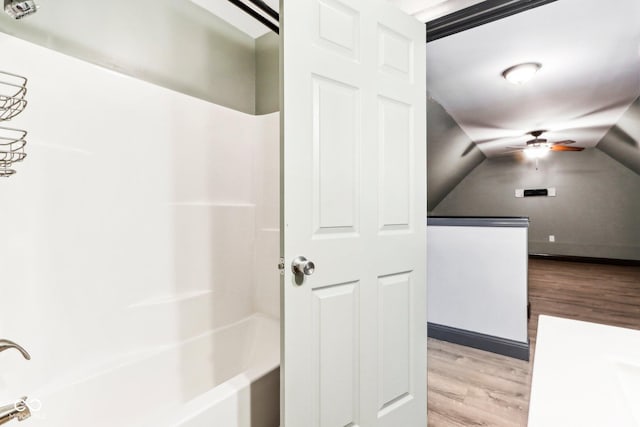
column 521, row 73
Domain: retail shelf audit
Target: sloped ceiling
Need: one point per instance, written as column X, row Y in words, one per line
column 622, row 141
column 589, row 50
column 451, row 155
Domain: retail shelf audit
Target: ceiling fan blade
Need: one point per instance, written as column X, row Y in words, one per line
column 521, row 147
column 565, row 148
column 565, row 142
column 513, row 138
column 508, row 153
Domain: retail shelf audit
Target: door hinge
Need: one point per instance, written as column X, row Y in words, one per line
column 281, row 266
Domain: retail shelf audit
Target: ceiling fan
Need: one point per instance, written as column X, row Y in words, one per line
column 539, row 147
column 542, row 146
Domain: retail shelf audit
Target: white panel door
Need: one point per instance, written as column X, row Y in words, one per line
column 354, row 203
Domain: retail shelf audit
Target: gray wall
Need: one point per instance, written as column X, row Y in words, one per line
column 595, row 214
column 622, row 142
column 172, row 43
column 450, row 154
column 267, row 73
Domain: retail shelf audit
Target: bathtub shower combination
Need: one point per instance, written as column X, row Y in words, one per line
column 142, row 254
column 226, row 377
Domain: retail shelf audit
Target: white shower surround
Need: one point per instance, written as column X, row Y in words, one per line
column 217, row 378
column 141, row 219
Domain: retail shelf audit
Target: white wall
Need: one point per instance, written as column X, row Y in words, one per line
column 132, row 222
column 267, row 185
column 477, row 279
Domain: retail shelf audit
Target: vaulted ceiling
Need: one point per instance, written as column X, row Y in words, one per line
column 587, row 89
column 590, row 75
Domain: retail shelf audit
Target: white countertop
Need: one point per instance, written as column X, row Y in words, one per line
column 585, row 374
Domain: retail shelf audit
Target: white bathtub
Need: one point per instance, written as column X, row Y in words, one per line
column 225, row 378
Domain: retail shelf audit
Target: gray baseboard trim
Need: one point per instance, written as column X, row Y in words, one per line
column 590, row 260
column 515, row 349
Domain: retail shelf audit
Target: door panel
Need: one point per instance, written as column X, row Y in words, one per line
column 336, row 143
column 395, row 54
column 336, row 308
column 395, row 340
column 337, row 28
column 395, row 141
column 354, row 203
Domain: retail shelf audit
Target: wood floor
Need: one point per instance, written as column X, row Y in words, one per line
column 469, row 387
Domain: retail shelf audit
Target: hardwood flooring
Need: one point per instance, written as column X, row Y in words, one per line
column 469, row 387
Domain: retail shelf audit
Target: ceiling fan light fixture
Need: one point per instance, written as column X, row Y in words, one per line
column 537, row 151
column 521, row 73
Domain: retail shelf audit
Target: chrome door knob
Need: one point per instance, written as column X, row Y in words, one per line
column 302, row 266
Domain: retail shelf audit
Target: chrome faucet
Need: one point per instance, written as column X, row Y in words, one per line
column 18, row 410
column 15, row 411
column 6, row 345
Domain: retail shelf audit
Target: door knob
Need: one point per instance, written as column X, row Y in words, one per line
column 302, row 266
